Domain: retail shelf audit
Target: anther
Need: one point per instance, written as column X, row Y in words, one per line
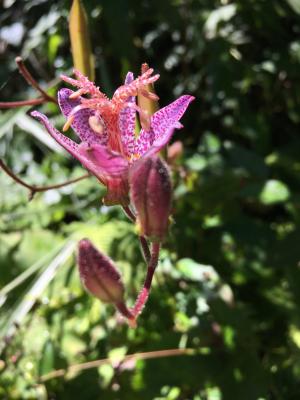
column 68, row 123
column 76, row 94
column 96, row 124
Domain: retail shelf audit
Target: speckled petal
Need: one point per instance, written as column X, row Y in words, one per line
column 144, row 142
column 127, row 122
column 81, row 121
column 160, row 142
column 163, row 122
column 114, row 171
column 168, row 116
column 110, row 164
column 99, row 161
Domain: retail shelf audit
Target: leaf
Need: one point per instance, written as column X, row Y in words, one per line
column 35, row 244
column 26, row 274
column 117, row 355
column 295, row 5
column 274, row 191
column 53, row 45
column 224, row 13
column 35, row 129
column 8, row 120
column 47, row 361
column 198, row 272
column 25, row 304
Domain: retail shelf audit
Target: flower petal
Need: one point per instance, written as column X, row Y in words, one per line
column 163, row 123
column 61, row 139
column 113, row 169
column 160, row 142
column 109, row 163
column 117, row 192
column 96, row 158
column 129, row 78
column 81, row 121
column 144, row 142
column 168, row 116
column 127, row 122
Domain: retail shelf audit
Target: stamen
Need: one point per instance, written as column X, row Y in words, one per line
column 71, row 81
column 71, row 116
column 77, row 94
column 147, row 73
column 144, row 68
column 152, row 79
column 68, row 123
column 149, row 95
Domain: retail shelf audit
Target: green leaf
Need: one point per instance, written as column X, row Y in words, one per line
column 274, row 191
column 47, row 361
column 192, row 270
column 295, row 4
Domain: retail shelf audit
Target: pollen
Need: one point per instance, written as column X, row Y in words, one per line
column 134, row 157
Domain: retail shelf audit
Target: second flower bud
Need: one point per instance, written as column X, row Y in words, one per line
column 151, row 194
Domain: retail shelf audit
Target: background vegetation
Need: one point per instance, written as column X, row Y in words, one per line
column 228, row 285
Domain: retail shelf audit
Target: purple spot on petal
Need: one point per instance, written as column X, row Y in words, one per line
column 81, row 121
column 163, row 123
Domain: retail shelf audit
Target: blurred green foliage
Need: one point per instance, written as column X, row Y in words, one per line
column 228, row 284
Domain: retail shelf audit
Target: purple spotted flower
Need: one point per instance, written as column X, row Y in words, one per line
column 106, row 128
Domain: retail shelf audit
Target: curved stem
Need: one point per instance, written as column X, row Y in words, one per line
column 143, row 241
column 145, row 248
column 144, row 293
column 21, row 103
column 136, row 356
column 129, row 213
column 31, row 81
column 34, row 189
column 124, row 310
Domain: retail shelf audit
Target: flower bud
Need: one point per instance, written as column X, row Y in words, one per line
column 98, row 274
column 147, row 101
column 174, row 152
column 151, row 193
column 83, row 58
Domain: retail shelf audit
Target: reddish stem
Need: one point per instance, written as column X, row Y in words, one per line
column 143, row 241
column 33, row 189
column 129, row 213
column 31, row 81
column 144, row 293
column 123, row 310
column 145, row 248
column 97, row 363
column 21, row 103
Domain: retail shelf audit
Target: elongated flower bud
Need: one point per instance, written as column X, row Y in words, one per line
column 80, row 40
column 151, row 193
column 147, row 101
column 98, row 274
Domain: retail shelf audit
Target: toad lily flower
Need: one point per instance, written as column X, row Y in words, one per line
column 106, row 128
